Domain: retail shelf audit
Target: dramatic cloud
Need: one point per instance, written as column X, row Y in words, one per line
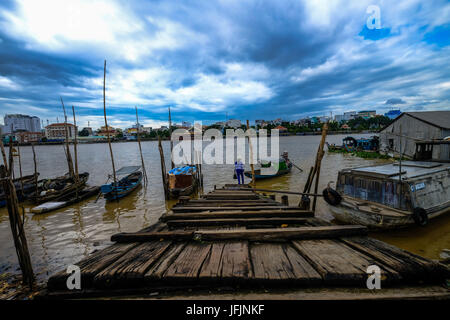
column 209, row 59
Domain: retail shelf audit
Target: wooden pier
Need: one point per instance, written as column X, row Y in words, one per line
column 253, row 246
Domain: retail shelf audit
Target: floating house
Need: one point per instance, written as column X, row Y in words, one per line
column 418, row 136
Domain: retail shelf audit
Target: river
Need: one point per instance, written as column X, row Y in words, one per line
column 63, row 237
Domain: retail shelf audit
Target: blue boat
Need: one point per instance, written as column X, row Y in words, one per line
column 131, row 181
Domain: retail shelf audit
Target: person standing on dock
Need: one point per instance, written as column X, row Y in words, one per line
column 239, row 168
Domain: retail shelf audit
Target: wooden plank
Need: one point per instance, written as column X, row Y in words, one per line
column 227, row 261
column 243, row 208
column 188, row 263
column 151, row 236
column 234, row 222
column 238, row 214
column 270, row 263
column 129, row 270
column 159, row 268
column 303, row 271
column 90, row 266
column 409, row 265
column 335, row 262
column 227, row 204
column 282, row 233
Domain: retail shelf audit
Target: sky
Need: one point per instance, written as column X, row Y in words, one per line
column 216, row 60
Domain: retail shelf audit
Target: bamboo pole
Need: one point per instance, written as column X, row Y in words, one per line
column 106, row 125
column 75, row 143
column 320, row 154
column 163, row 169
column 140, row 148
column 171, row 142
column 35, row 170
column 251, row 158
column 20, row 169
column 16, row 223
column 68, row 155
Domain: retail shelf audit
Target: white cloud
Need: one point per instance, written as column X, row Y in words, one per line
column 8, row 83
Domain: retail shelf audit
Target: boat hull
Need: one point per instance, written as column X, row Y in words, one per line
column 248, row 174
column 121, row 192
column 348, row 213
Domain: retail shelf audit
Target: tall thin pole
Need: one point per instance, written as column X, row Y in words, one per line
column 320, row 154
column 251, row 157
column 35, row 170
column 20, row 169
column 163, row 169
column 171, row 142
column 106, row 125
column 16, row 222
column 75, row 143
column 140, row 148
column 68, row 155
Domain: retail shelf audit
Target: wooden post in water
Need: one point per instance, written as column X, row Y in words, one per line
column 16, row 223
column 251, row 157
column 35, row 170
column 106, row 125
column 144, row 172
column 20, row 169
column 68, row 155
column 163, row 169
column 75, row 143
column 320, row 154
column 171, row 142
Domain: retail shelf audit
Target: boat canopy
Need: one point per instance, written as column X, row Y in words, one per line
column 127, row 170
column 183, row 170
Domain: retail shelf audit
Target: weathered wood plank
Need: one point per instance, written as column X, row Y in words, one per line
column 337, row 263
column 92, row 265
column 188, row 263
column 243, row 208
column 159, row 268
column 237, row 214
column 282, row 233
column 129, row 270
column 227, row 261
column 235, row 222
column 151, row 236
column 270, row 263
column 409, row 265
column 303, row 271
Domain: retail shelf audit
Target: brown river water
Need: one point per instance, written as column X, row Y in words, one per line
column 64, row 237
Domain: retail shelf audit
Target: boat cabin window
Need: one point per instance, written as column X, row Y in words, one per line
column 389, row 193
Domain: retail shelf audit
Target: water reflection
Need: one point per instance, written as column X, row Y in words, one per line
column 63, row 237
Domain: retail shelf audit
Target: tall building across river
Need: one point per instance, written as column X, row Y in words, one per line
column 21, row 123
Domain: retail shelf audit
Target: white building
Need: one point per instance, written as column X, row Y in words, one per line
column 58, row 131
column 350, row 115
column 233, row 123
column 21, row 122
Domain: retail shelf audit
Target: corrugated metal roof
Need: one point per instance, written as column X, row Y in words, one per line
column 438, row 118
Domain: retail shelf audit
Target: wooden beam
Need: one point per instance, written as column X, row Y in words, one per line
column 235, row 222
column 325, row 232
column 243, row 208
column 150, row 236
column 322, row 232
column 237, row 214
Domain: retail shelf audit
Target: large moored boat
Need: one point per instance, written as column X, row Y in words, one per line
column 391, row 195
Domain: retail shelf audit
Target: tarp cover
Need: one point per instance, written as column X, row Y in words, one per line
column 127, row 170
column 183, row 170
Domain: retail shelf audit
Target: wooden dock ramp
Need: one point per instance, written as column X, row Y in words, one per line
column 243, row 241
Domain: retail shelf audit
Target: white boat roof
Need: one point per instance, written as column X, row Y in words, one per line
column 410, row 169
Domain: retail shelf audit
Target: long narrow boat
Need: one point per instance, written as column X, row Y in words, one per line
column 383, row 197
column 24, row 187
column 270, row 170
column 66, row 200
column 51, row 189
column 131, row 181
column 183, row 181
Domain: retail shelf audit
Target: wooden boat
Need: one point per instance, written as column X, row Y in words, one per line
column 382, row 197
column 66, row 200
column 51, row 189
column 270, row 170
column 131, row 181
column 350, row 144
column 183, row 181
column 24, row 187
